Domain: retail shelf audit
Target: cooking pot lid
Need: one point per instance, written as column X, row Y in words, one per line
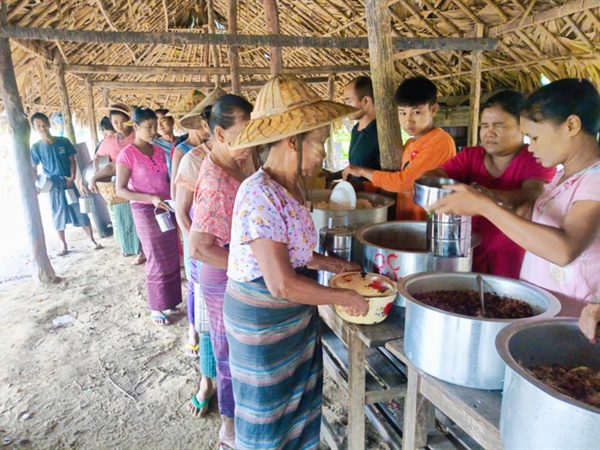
column 366, row 284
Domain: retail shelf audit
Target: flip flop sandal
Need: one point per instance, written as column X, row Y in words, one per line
column 200, row 405
column 224, row 446
column 162, row 317
column 171, row 312
column 190, row 349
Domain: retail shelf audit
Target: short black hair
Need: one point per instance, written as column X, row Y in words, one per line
column 363, row 87
column 162, row 111
column 416, row 91
column 39, row 115
column 116, row 112
column 510, row 101
column 560, row 99
column 105, row 124
column 222, row 113
column 141, row 114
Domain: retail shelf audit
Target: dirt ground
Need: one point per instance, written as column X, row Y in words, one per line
column 110, row 378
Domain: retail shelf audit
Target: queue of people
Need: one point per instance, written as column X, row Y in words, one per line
column 249, row 236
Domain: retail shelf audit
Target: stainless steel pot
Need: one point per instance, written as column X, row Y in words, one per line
column 356, row 217
column 461, row 349
column 399, row 249
column 533, row 414
column 428, row 190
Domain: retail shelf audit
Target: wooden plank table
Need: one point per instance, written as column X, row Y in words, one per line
column 357, row 338
column 476, row 411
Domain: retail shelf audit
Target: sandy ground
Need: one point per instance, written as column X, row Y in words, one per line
column 61, row 387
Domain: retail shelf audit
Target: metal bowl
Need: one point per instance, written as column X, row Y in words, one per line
column 44, row 183
column 533, row 414
column 356, row 217
column 461, row 349
column 428, row 190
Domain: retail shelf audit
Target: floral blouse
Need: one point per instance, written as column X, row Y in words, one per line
column 266, row 210
column 213, row 201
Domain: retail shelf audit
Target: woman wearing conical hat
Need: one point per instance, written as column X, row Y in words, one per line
column 270, row 308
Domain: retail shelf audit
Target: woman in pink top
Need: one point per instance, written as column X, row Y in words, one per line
column 562, row 119
column 143, row 178
column 508, row 172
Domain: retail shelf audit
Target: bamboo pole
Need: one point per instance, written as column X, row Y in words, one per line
column 272, row 19
column 41, row 268
column 64, row 98
column 214, row 49
column 475, row 97
column 176, row 85
column 89, row 104
column 383, row 74
column 105, row 97
column 162, row 70
column 175, row 38
column 234, row 54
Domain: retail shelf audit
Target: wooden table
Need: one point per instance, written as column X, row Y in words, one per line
column 358, row 338
column 476, row 411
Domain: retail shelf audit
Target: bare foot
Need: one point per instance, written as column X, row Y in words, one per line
column 192, row 346
column 139, row 259
column 227, row 433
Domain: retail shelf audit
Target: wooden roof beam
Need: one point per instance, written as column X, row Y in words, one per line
column 169, row 70
column 560, row 11
column 173, row 85
column 130, row 37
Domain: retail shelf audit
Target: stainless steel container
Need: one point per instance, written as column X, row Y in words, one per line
column 165, row 220
column 335, row 240
column 461, row 349
column 533, row 414
column 428, row 190
column 449, row 235
column 86, row 205
column 399, row 249
column 71, row 196
column 356, row 217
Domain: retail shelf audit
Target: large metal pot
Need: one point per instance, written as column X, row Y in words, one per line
column 399, row 249
column 533, row 414
column 356, row 217
column 461, row 349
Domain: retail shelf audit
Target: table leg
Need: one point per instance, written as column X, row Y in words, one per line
column 419, row 414
column 356, row 393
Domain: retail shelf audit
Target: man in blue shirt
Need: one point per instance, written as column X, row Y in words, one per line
column 57, row 157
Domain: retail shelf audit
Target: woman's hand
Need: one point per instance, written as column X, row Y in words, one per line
column 354, row 171
column 92, row 186
column 589, row 320
column 465, row 200
column 346, row 266
column 69, row 181
column 356, row 305
column 159, row 203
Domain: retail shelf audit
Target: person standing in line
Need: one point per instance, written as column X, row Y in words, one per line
column 166, row 139
column 142, row 178
column 57, row 157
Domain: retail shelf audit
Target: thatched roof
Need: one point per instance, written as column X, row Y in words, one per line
column 557, row 38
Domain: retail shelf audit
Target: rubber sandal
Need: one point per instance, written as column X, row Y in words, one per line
column 224, row 446
column 161, row 317
column 200, row 405
column 192, row 350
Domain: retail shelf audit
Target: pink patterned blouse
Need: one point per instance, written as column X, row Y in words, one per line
column 149, row 175
column 266, row 210
column 579, row 282
column 213, row 201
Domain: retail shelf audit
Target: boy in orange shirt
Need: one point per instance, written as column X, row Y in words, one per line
column 428, row 148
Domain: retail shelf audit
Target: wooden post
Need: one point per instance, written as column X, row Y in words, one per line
column 331, row 143
column 64, row 98
column 475, row 97
column 234, row 54
column 383, row 74
column 41, row 269
column 89, row 103
column 214, row 49
column 272, row 19
column 105, row 98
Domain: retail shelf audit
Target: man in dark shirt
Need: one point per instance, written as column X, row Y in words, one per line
column 364, row 146
column 57, row 157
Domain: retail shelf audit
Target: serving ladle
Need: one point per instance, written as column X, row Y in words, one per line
column 479, row 280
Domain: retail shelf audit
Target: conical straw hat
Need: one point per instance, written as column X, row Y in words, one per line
column 121, row 107
column 193, row 120
column 186, row 103
column 287, row 106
